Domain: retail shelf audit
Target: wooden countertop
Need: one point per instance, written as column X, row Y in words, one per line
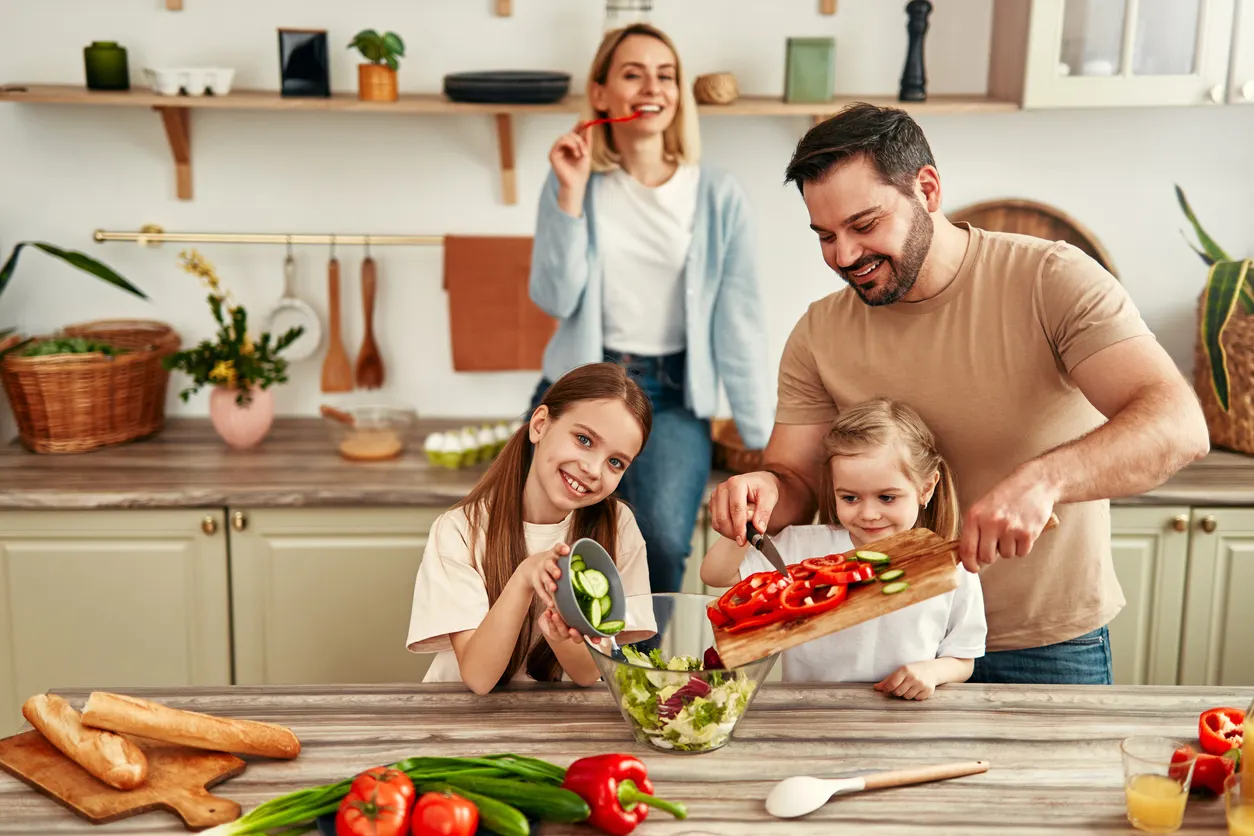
column 187, row 466
column 1054, row 753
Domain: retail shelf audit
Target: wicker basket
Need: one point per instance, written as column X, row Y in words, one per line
column 729, row 449
column 71, row 403
column 1233, row 429
column 715, row 88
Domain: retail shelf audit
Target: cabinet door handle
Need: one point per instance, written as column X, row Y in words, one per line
column 1180, row 522
column 209, row 525
column 1247, row 91
column 1209, row 524
column 1217, row 94
column 238, row 521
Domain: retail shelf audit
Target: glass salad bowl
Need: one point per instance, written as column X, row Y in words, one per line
column 666, row 678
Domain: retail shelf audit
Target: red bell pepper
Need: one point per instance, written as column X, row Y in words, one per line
column 1210, row 773
column 717, row 617
column 849, row 572
column 619, row 792
column 753, row 595
column 444, row 814
column 769, row 617
column 806, row 598
column 1221, row 729
column 819, row 564
column 378, row 804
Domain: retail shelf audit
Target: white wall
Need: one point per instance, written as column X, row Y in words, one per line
column 65, row 171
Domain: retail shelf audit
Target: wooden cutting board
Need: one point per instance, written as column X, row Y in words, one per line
column 177, row 778
column 931, row 568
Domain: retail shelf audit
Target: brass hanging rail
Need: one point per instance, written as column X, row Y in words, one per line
column 152, row 234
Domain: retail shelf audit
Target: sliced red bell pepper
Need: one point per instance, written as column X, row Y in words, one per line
column 806, row 598
column 849, row 572
column 754, row 595
column 818, row 564
column 717, row 617
column 1221, row 729
column 1210, row 773
column 743, row 624
column 799, row 572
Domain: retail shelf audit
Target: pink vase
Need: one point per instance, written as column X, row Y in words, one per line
column 241, row 427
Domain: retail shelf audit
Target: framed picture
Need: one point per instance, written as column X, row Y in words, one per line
column 303, row 63
column 810, row 71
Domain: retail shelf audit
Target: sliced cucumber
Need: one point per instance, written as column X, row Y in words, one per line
column 894, row 588
column 595, row 583
column 577, row 564
column 891, row 575
column 872, row 557
column 576, row 583
column 611, row 627
column 606, row 605
column 594, row 614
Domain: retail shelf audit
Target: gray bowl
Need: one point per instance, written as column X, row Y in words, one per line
column 595, row 557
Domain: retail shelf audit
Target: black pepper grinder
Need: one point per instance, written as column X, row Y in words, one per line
column 913, row 77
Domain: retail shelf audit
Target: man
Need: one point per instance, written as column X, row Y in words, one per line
column 1027, row 359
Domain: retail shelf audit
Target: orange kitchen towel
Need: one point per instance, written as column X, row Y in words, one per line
column 493, row 322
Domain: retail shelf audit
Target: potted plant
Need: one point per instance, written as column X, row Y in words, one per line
column 241, row 371
column 1224, row 365
column 376, row 81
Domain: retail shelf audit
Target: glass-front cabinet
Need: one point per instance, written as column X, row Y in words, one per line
column 1106, row 53
column 1241, row 77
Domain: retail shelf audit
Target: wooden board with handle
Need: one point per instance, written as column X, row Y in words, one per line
column 177, row 780
column 931, row 568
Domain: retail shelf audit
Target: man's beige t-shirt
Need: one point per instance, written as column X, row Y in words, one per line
column 451, row 593
column 987, row 364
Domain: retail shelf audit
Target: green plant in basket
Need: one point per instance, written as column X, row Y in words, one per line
column 379, row 49
column 1229, row 285
column 74, row 259
column 232, row 359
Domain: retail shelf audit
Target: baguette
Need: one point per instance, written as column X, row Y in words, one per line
column 110, row 757
column 144, row 718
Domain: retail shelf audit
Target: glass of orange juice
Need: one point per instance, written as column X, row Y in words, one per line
column 1156, row 787
column 1240, row 808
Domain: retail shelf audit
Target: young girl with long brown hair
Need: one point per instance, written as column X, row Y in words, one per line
column 483, row 596
column 883, row 475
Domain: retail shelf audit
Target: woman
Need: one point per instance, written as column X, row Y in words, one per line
column 647, row 260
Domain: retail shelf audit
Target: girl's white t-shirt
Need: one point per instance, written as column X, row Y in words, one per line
column 945, row 625
column 643, row 234
column 451, row 594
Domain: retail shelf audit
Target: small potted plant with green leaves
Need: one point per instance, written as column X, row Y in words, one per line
column 376, row 80
column 240, row 370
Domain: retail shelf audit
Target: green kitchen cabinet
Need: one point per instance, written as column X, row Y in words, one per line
column 111, row 599
column 1218, row 641
column 323, row 595
column 1150, row 547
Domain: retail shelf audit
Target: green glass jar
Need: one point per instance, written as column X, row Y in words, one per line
column 106, row 66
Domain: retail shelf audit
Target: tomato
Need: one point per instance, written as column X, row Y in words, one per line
column 378, row 804
column 821, row 597
column 444, row 814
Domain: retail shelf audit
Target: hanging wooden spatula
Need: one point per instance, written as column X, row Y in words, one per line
column 337, row 372
column 369, row 363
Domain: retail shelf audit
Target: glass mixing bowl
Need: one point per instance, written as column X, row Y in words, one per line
column 661, row 676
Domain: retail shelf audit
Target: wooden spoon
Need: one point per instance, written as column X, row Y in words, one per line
column 338, row 415
column 369, row 363
column 337, row 372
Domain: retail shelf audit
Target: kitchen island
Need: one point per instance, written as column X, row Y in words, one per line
column 1054, row 753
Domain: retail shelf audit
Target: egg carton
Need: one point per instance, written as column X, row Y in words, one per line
column 192, row 81
column 468, row 446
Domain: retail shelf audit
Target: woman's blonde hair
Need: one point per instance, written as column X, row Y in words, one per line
column 681, row 142
column 880, row 422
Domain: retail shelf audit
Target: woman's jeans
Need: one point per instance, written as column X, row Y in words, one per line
column 1084, row 660
column 665, row 484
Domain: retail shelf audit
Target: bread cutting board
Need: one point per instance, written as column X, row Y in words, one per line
column 177, row 778
column 931, row 568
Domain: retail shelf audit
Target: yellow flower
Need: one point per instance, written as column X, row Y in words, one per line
column 223, row 372
column 247, row 347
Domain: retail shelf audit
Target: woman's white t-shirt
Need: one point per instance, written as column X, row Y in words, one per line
column 951, row 624
column 451, row 594
column 643, row 235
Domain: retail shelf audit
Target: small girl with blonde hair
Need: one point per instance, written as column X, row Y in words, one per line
column 883, row 475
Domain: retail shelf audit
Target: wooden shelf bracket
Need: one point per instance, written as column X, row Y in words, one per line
column 174, row 5
column 177, row 121
column 504, row 8
column 505, row 143
column 827, row 7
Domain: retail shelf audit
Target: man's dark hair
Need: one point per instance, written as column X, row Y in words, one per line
column 887, row 136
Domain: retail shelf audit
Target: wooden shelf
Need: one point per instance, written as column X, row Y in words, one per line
column 175, row 112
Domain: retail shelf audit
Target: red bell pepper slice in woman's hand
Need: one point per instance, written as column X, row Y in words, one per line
column 1221, row 729
column 618, row 790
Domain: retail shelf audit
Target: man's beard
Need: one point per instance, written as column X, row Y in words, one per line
column 901, row 274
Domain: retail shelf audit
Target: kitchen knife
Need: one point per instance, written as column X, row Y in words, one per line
column 763, row 544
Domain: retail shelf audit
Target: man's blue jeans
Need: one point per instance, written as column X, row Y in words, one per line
column 665, row 484
column 1084, row 660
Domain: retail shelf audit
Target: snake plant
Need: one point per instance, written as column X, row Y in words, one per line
column 1230, row 284
column 71, row 257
